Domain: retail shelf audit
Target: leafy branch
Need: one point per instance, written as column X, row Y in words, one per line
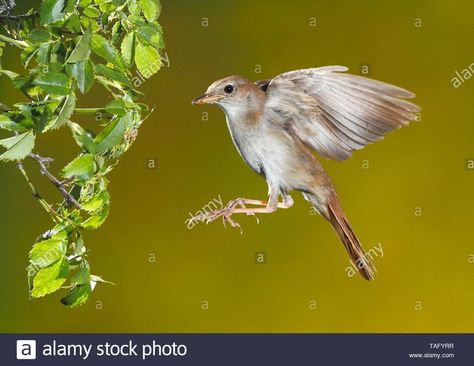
column 66, row 46
column 43, row 163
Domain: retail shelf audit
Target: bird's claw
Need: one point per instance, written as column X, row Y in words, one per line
column 226, row 214
column 241, row 203
column 231, row 221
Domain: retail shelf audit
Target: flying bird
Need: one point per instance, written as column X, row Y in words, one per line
column 276, row 124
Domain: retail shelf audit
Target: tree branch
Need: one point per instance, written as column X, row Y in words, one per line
column 42, row 162
column 18, row 17
column 41, row 200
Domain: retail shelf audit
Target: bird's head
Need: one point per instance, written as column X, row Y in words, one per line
column 230, row 92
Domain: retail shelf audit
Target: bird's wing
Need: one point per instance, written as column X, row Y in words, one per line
column 336, row 113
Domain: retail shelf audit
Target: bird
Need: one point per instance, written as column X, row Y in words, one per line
column 279, row 125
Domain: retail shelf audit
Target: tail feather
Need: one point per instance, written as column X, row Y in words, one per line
column 335, row 215
column 353, row 246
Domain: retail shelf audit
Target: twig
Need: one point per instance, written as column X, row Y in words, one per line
column 18, row 17
column 41, row 200
column 4, row 18
column 42, row 161
column 90, row 110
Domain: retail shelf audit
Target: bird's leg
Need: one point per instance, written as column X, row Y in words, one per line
column 239, row 206
column 287, row 202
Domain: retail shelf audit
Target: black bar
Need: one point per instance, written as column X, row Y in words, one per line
column 242, row 349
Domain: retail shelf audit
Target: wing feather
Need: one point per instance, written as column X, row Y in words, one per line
column 336, row 113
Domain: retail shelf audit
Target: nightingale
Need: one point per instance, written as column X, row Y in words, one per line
column 277, row 124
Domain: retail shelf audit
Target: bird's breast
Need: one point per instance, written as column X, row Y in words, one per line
column 246, row 140
column 274, row 153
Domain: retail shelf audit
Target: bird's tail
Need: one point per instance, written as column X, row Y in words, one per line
column 336, row 216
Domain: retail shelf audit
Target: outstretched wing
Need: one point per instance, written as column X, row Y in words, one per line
column 336, row 113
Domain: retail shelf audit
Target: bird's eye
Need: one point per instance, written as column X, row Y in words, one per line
column 229, row 89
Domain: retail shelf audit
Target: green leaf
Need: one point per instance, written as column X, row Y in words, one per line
column 112, row 74
column 25, row 84
column 35, row 115
column 132, row 6
column 97, row 202
column 148, row 60
column 82, row 167
column 78, row 295
column 79, row 248
column 54, row 83
column 39, row 36
column 28, row 53
column 83, row 72
column 52, row 11
column 106, row 6
column 128, row 49
column 49, row 251
column 151, row 9
column 12, row 75
column 151, row 34
column 65, row 113
column 73, row 24
column 9, row 125
column 106, row 50
column 82, row 50
column 96, row 220
column 119, row 2
column 82, row 138
column 117, row 106
column 64, row 225
column 18, row 147
column 92, row 12
column 117, row 32
column 57, row 56
column 23, row 120
column 50, row 279
column 112, row 134
column 44, row 52
column 85, row 3
column 83, row 276
column 71, row 5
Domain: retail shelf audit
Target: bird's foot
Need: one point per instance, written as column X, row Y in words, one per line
column 228, row 210
column 241, row 203
column 226, row 214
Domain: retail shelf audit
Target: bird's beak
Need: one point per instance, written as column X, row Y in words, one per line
column 203, row 99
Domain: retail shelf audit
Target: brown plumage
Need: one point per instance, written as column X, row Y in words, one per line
column 276, row 123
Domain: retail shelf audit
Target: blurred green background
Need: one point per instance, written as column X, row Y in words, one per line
column 425, row 281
